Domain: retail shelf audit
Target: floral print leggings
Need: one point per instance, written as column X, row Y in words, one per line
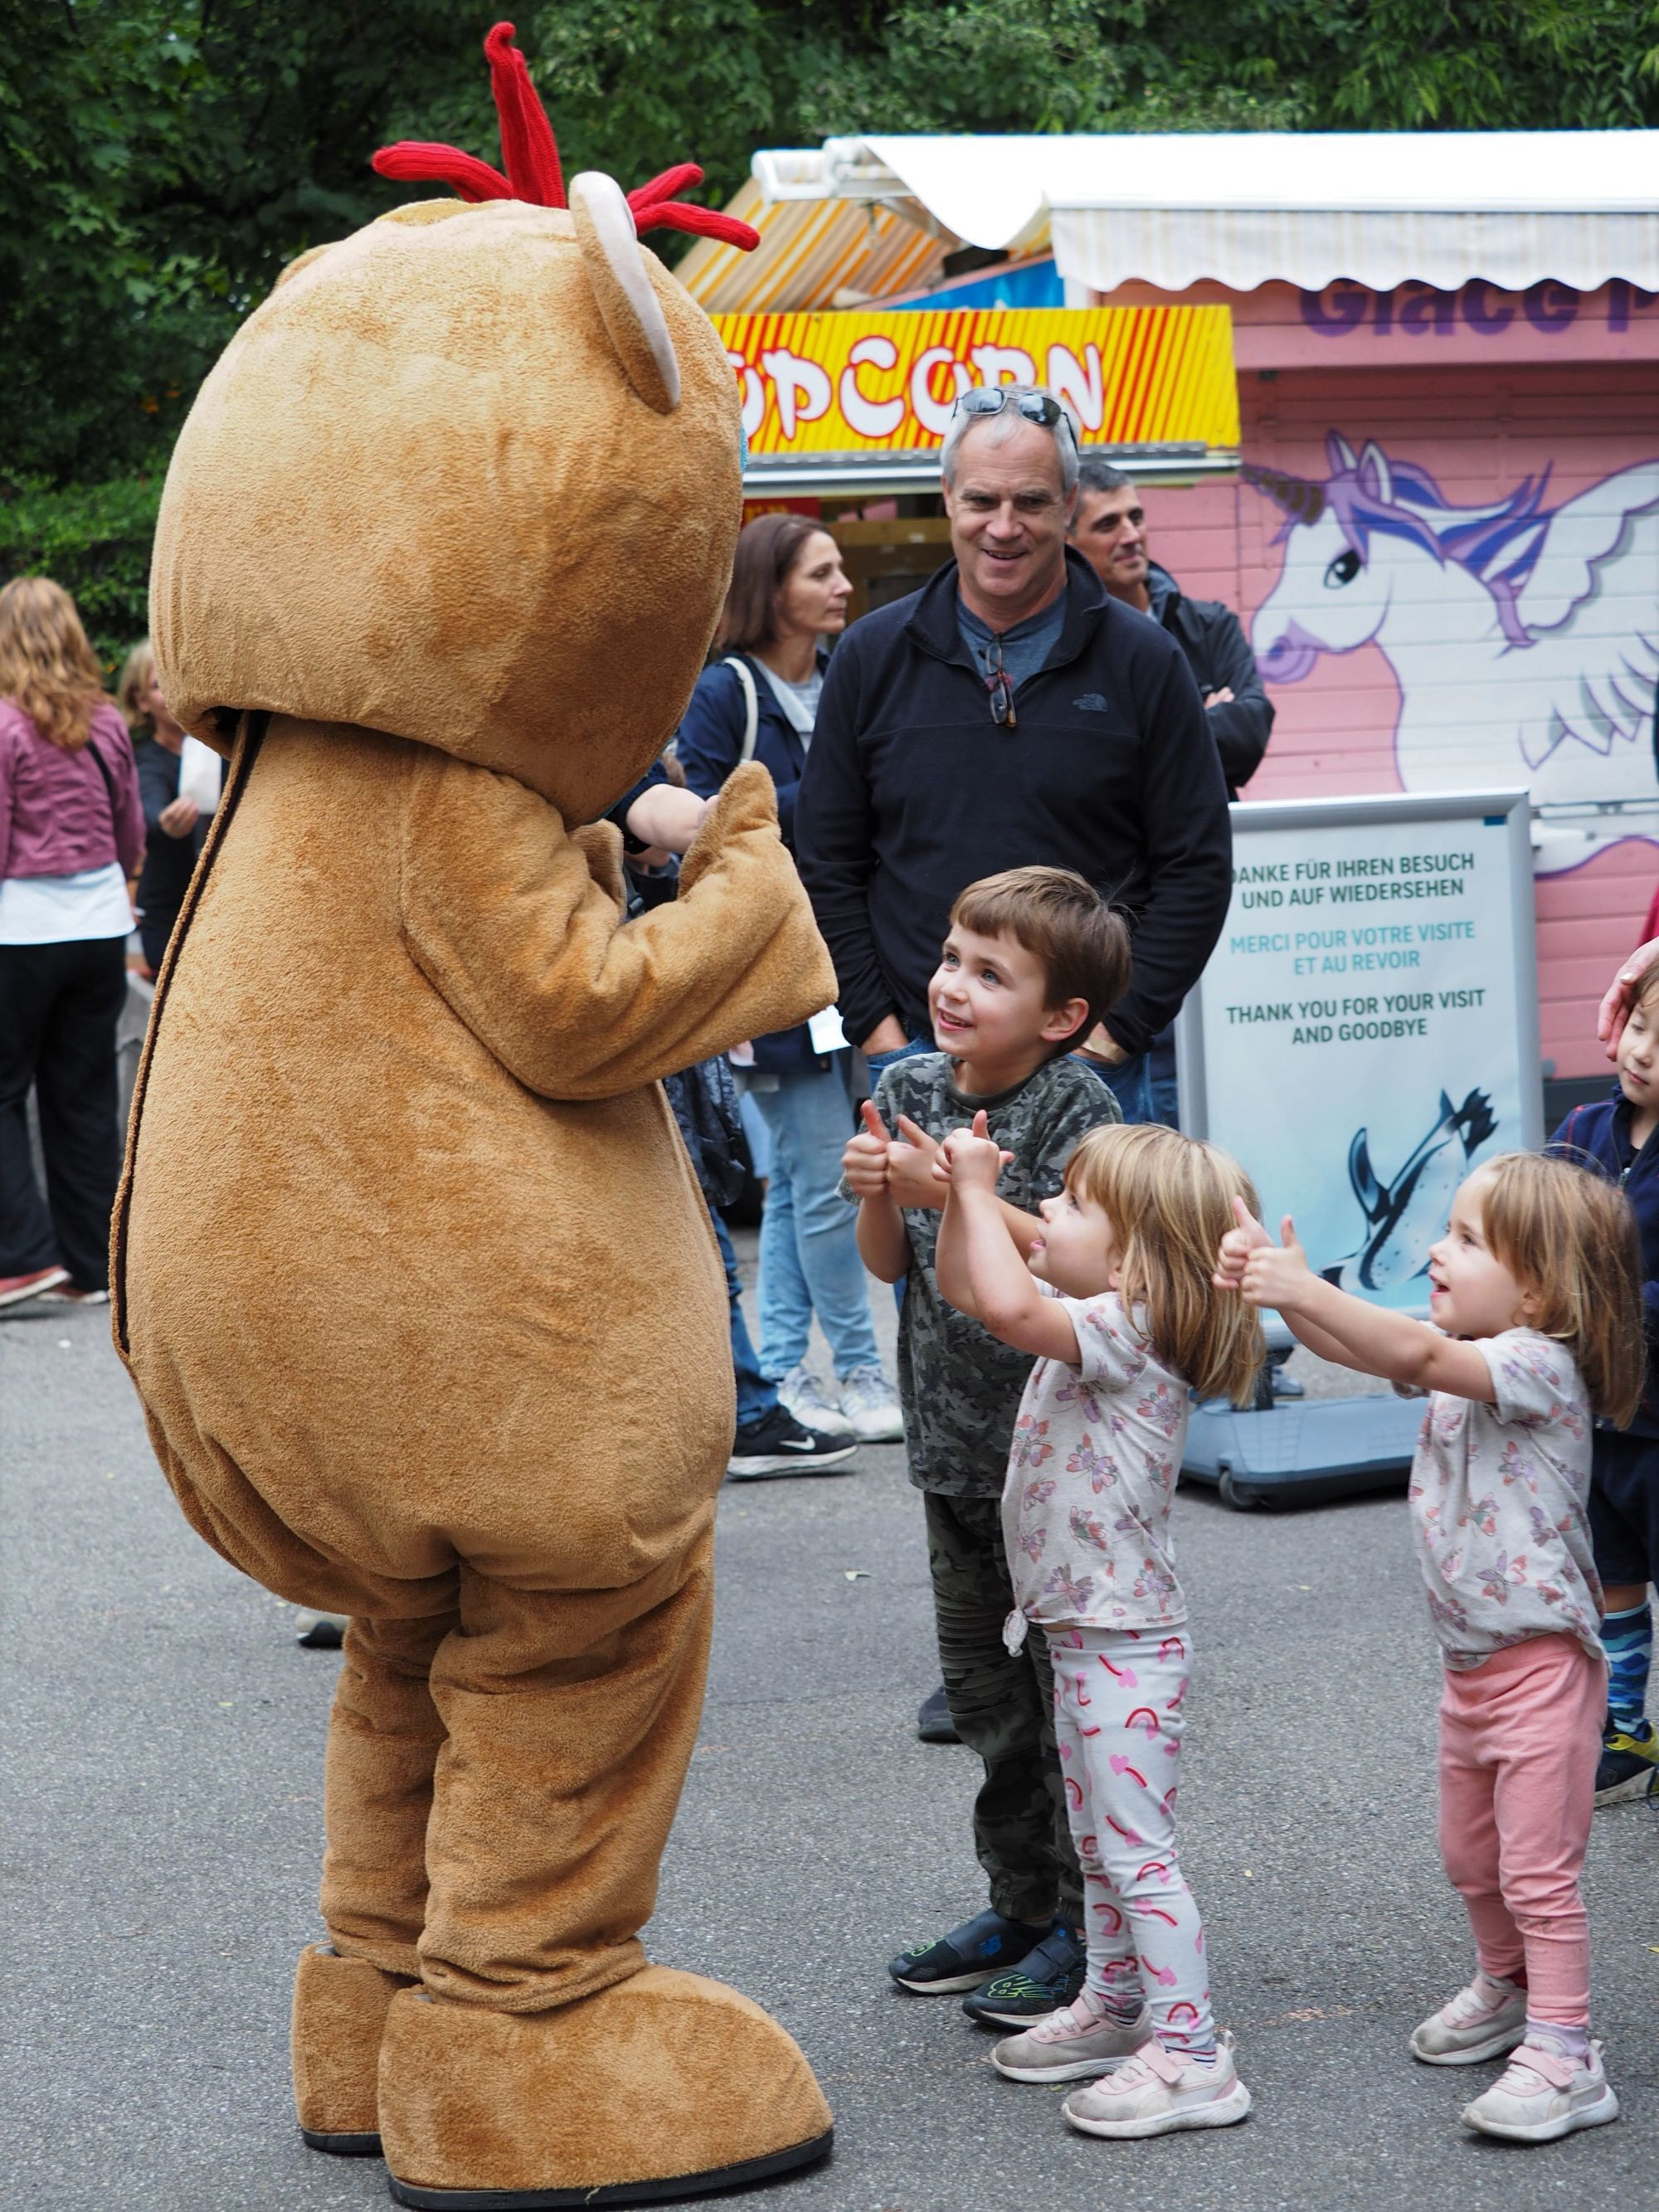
column 1118, row 1700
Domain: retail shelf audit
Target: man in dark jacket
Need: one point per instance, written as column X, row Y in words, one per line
column 1110, row 530
column 1010, row 712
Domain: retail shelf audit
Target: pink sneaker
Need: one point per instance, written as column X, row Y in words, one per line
column 1482, row 2022
column 1541, row 2096
column 14, row 1289
column 1076, row 2044
column 1157, row 2091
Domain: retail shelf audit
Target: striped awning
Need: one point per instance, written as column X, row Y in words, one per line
column 813, row 253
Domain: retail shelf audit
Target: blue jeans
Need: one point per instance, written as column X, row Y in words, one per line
column 1144, row 1086
column 809, row 1254
column 755, row 1397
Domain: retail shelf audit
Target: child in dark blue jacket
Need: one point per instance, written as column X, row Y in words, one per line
column 1624, row 1501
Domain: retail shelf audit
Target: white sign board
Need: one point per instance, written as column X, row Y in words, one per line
column 1367, row 1026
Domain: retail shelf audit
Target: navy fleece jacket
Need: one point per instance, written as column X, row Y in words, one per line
column 911, row 792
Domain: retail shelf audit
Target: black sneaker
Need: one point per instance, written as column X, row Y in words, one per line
column 1628, row 1764
column 777, row 1444
column 933, row 1721
column 1047, row 1977
column 966, row 1957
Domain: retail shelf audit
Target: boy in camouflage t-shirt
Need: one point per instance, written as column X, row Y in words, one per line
column 1033, row 959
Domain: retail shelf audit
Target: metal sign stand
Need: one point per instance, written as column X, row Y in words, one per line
column 1367, row 975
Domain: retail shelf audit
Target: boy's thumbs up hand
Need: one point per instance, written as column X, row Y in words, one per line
column 865, row 1161
column 910, row 1165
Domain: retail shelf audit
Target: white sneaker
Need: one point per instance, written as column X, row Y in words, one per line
column 870, row 1408
column 803, row 1397
column 1540, row 2096
column 1157, row 2091
column 1470, row 2027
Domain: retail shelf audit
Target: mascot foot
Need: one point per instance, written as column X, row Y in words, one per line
column 664, row 2086
column 339, row 2011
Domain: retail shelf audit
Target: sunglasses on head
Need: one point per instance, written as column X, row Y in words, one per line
column 1036, row 406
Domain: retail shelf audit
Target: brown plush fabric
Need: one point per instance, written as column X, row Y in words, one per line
column 413, row 1275
column 416, row 1268
column 666, row 2076
column 419, row 493
column 339, row 2011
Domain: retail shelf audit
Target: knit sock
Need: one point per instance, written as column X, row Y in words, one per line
column 1627, row 1639
column 1185, row 2048
column 1566, row 2042
column 1116, row 1994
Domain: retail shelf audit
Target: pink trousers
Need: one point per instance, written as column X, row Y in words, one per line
column 1519, row 1736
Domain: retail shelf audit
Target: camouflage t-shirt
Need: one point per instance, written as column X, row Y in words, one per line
column 959, row 1385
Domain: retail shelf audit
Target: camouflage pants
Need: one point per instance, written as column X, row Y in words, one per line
column 1003, row 1705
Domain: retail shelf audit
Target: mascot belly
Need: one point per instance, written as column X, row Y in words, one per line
column 411, row 1272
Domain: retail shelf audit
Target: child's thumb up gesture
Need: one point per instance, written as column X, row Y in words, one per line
column 864, row 1162
column 1266, row 1273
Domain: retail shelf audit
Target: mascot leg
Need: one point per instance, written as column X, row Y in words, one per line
column 383, row 1739
column 544, row 2063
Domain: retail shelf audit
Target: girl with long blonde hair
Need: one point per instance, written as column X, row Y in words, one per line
column 71, row 831
column 1115, row 1302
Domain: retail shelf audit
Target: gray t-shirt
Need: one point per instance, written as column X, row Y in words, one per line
column 960, row 1387
column 1025, row 648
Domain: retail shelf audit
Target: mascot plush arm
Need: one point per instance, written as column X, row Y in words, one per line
column 521, row 933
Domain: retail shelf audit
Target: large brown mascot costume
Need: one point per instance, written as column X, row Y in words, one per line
column 413, row 1278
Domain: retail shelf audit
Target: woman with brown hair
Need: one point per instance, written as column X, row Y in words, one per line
column 71, row 830
column 758, row 701
column 175, row 826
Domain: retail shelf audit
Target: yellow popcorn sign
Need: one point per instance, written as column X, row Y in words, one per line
column 862, row 381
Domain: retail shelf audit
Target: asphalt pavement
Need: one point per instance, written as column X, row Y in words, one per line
column 162, row 1830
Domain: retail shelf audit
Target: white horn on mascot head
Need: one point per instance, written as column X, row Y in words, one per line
column 615, row 270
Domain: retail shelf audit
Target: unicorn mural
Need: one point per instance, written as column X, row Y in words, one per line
column 1524, row 637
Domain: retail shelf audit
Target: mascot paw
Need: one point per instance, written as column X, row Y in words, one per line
column 340, row 2007
column 662, row 2086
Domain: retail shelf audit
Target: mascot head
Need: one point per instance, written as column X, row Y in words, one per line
column 471, row 476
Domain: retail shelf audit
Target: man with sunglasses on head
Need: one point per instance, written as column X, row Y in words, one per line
column 1010, row 713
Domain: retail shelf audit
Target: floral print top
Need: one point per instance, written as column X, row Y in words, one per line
column 1096, row 1450
column 1497, row 1505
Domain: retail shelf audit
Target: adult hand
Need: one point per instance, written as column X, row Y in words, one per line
column 180, row 817
column 864, row 1162
column 1224, row 697
column 888, row 1035
column 1615, row 1008
column 1101, row 1044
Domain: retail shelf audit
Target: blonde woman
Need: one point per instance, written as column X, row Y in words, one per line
column 71, row 830
column 175, row 828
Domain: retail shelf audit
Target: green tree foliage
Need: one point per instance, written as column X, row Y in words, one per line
column 159, row 160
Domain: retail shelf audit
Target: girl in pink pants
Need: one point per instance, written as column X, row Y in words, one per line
column 1536, row 1286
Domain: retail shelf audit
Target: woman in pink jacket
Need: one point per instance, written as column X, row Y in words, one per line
column 71, row 830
